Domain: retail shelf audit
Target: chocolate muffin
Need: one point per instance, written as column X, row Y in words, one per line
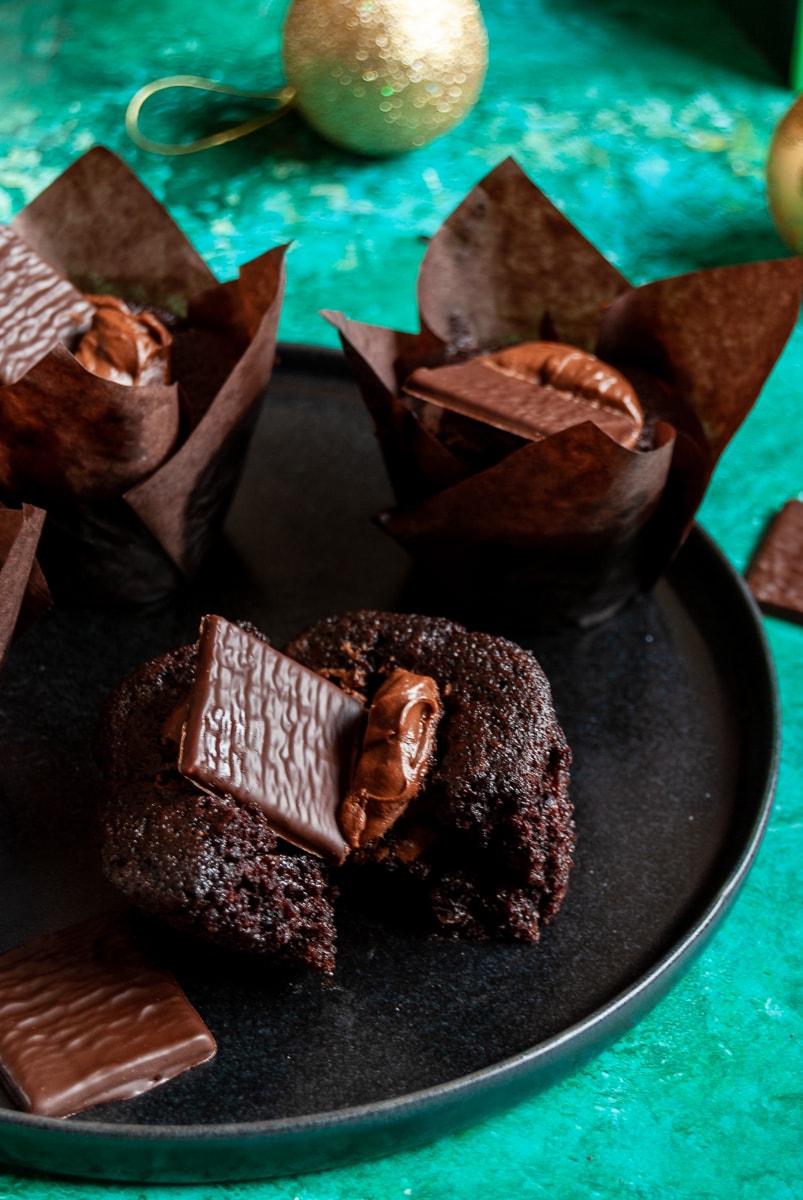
column 485, row 848
column 479, row 845
column 205, row 863
column 550, row 430
column 130, row 383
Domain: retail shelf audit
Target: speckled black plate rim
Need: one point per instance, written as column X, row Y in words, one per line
column 254, row 1150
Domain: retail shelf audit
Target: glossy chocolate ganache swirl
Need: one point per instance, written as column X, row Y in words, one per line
column 125, row 346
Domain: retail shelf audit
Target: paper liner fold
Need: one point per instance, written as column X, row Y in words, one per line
column 571, row 527
column 183, row 503
column 24, row 594
column 65, row 432
column 508, row 267
column 97, row 225
column 712, row 335
column 136, row 480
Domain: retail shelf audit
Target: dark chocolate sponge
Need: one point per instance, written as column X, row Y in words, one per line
column 204, row 863
column 486, row 847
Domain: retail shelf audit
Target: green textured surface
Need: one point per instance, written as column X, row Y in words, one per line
column 648, row 124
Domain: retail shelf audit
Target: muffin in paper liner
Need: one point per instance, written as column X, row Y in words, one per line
column 568, row 528
column 136, row 477
column 24, row 594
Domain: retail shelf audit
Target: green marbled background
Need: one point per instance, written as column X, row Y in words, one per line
column 648, row 125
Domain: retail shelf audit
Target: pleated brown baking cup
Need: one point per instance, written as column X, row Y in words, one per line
column 568, row 528
column 136, row 477
column 24, row 594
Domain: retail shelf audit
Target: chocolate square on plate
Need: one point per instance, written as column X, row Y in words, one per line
column 86, row 1016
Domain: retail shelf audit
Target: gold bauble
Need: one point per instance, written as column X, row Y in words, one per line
column 785, row 177
column 384, row 76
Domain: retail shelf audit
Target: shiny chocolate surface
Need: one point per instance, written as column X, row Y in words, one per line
column 533, row 390
column 38, row 307
column 124, row 346
column 394, row 757
column 87, row 1017
column 271, row 733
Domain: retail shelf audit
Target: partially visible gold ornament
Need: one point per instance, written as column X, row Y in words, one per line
column 785, row 177
column 384, row 76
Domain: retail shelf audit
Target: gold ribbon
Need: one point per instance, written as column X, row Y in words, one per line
column 283, row 97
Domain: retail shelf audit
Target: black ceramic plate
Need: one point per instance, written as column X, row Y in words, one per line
column 672, row 714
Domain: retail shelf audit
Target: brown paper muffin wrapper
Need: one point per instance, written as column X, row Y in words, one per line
column 136, row 480
column 24, row 594
column 566, row 529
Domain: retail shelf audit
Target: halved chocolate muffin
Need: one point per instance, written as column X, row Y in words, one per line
column 443, row 772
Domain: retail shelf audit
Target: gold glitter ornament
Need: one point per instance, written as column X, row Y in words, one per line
column 785, row 177
column 374, row 76
column 384, row 76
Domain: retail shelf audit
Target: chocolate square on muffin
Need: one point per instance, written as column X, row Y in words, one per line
column 565, row 524
column 130, row 382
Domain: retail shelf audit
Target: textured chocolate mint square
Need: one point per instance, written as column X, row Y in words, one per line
column 86, row 1016
column 775, row 576
column 272, row 734
column 39, row 307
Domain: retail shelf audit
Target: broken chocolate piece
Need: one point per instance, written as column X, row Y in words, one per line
column 24, row 594
column 534, row 390
column 396, row 752
column 124, row 346
column 775, row 576
column 272, row 734
column 87, row 1017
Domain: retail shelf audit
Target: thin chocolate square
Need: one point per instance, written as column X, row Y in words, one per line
column 775, row 576
column 272, row 734
column 86, row 1016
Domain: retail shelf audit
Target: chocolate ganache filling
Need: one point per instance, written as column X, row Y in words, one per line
column 124, row 346
column 395, row 756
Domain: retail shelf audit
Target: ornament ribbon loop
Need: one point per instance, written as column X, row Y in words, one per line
column 283, row 98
